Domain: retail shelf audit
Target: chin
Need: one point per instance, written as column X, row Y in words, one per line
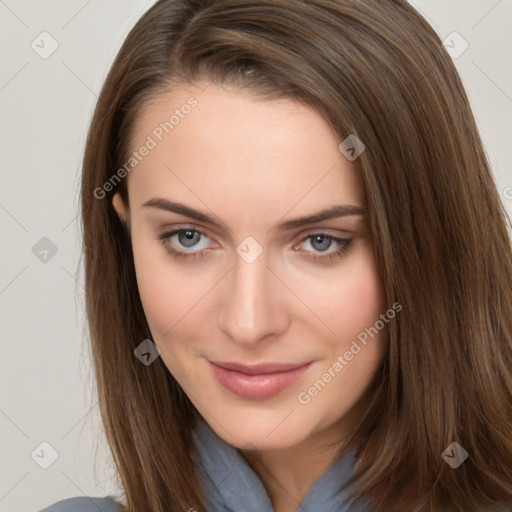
column 263, row 429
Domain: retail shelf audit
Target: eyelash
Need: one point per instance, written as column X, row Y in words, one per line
column 344, row 244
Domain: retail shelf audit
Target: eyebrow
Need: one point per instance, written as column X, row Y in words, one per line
column 325, row 214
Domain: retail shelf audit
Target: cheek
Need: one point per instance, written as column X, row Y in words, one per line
column 354, row 353
column 348, row 301
column 363, row 298
column 167, row 293
column 152, row 280
column 361, row 333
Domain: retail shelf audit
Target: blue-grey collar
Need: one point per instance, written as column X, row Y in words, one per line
column 231, row 485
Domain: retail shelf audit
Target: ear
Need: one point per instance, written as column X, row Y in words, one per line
column 121, row 208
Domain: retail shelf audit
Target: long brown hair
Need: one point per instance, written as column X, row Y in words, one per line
column 375, row 69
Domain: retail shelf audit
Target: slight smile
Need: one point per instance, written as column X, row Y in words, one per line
column 257, row 382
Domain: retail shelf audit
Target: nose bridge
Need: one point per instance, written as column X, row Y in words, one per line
column 249, row 310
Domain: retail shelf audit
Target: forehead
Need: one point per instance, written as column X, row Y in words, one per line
column 234, row 149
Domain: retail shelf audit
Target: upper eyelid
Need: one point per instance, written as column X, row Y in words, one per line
column 180, row 229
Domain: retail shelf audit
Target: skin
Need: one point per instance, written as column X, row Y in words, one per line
column 254, row 163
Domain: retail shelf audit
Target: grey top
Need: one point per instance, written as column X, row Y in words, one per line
column 84, row 504
column 231, row 485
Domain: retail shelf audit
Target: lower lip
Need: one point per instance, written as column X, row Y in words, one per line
column 257, row 387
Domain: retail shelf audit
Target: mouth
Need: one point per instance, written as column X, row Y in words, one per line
column 257, row 382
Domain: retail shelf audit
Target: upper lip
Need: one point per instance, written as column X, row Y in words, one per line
column 255, row 369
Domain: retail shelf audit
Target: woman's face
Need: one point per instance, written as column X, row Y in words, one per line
column 231, row 271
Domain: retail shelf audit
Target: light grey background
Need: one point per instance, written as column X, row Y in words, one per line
column 46, row 386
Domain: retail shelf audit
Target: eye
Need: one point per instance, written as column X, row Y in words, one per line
column 192, row 243
column 184, row 238
column 321, row 243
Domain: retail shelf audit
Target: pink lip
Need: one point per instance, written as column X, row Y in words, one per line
column 257, row 382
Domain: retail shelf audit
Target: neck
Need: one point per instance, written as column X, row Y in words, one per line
column 289, row 473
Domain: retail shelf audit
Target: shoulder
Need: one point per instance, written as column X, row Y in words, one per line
column 84, row 504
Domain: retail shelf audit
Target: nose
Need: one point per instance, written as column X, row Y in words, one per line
column 251, row 307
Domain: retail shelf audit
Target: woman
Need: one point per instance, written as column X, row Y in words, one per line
column 298, row 269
